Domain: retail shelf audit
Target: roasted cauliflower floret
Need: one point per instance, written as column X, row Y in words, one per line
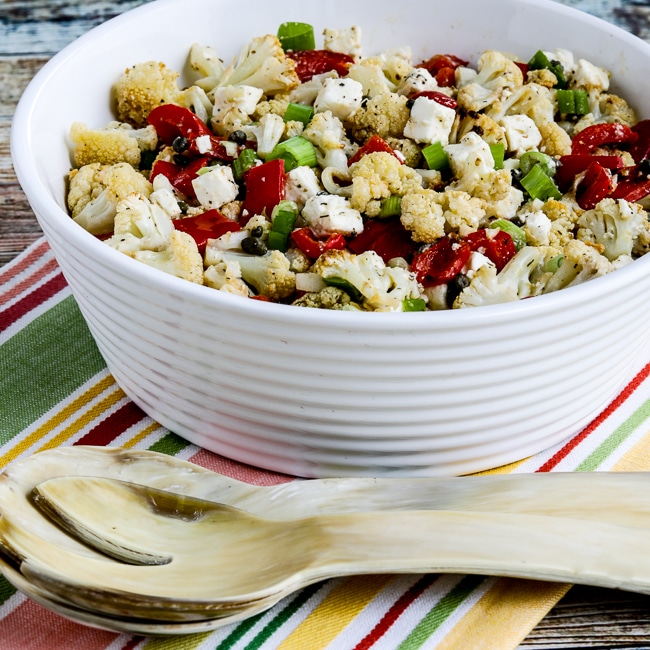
column 515, row 281
column 325, row 131
column 180, row 257
column 263, row 64
column 385, row 114
column 327, row 298
column 143, row 224
column 115, row 143
column 269, row 274
column 423, row 215
column 555, row 140
column 225, row 275
column 580, row 263
column 143, row 87
column 481, row 124
column 615, row 225
column 383, row 288
column 95, row 191
column 377, row 176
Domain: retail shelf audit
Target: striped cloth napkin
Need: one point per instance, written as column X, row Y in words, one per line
column 55, row 390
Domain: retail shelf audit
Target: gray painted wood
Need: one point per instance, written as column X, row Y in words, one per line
column 32, row 30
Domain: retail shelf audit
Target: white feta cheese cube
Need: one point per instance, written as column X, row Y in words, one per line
column 243, row 98
column 521, row 133
column 215, row 187
column 429, row 121
column 347, row 40
column 340, row 96
column 301, row 184
column 419, row 80
column 327, row 214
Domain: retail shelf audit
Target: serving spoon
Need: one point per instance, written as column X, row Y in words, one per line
column 201, row 553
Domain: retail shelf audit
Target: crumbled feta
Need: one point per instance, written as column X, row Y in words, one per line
column 301, row 184
column 243, row 98
column 215, row 187
column 329, row 213
column 429, row 121
column 417, row 81
column 521, row 133
column 340, row 96
column 347, row 41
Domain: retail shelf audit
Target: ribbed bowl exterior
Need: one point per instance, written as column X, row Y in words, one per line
column 315, row 393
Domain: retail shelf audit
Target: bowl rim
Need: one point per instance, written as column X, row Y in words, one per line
column 43, row 202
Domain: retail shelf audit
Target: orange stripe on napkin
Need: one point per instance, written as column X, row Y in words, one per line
column 636, row 459
column 336, row 612
column 504, row 616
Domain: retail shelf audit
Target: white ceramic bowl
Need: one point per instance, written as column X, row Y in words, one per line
column 317, row 393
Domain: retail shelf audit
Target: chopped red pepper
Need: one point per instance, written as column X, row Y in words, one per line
column 640, row 149
column 208, row 225
column 441, row 262
column 180, row 176
column 313, row 62
column 313, row 248
column 597, row 135
column 265, row 186
column 631, row 190
column 438, row 97
column 574, row 164
column 524, row 67
column 373, row 144
column 172, row 121
column 498, row 248
column 443, row 68
column 387, row 237
column 594, row 186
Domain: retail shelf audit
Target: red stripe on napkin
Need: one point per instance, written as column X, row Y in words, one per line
column 574, row 442
column 14, row 313
column 114, row 425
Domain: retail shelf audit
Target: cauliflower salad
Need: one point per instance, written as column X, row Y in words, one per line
column 330, row 179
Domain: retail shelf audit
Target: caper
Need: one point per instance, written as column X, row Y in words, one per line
column 258, row 231
column 455, row 286
column 253, row 246
column 238, row 137
column 180, row 144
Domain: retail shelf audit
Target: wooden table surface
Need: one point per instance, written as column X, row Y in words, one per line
column 31, row 31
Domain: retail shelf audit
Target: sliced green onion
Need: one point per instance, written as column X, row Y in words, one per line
column 283, row 222
column 554, row 263
column 284, row 206
column 539, row 185
column 414, row 304
column 582, row 102
column 391, row 207
column 566, row 102
column 278, row 241
column 531, row 158
column 518, row 234
column 498, row 153
column 540, row 61
column 298, row 113
column 345, row 285
column 296, row 36
column 295, row 152
column 246, row 159
column 436, row 156
column 573, row 102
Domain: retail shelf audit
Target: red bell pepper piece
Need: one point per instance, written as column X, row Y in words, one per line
column 498, row 248
column 387, row 237
column 172, row 121
column 594, row 186
column 631, row 190
column 373, row 144
column 208, row 225
column 443, row 68
column 312, row 247
column 265, row 185
column 597, row 135
column 313, row 62
column 438, row 97
column 441, row 262
column 180, row 176
column 524, row 67
column 572, row 165
column 640, row 149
